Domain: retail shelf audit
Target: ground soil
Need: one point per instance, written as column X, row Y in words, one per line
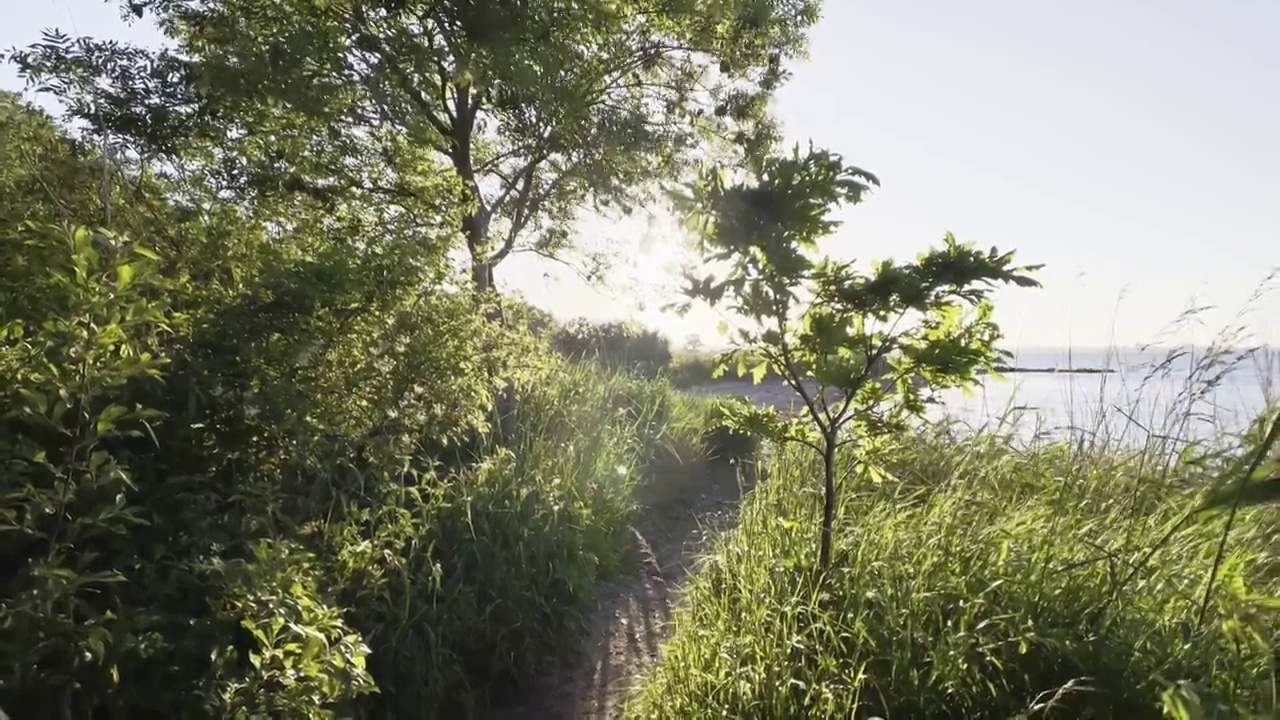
column 633, row 610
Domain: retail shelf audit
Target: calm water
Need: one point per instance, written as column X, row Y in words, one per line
column 1138, row 398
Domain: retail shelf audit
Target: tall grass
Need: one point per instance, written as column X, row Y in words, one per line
column 992, row 572
column 497, row 574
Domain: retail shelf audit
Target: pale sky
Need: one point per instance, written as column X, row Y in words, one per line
column 1132, row 147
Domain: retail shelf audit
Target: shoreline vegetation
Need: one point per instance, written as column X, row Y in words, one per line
column 1017, row 369
column 689, row 369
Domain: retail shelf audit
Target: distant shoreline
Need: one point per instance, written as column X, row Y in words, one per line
column 1000, row 369
column 1011, row 369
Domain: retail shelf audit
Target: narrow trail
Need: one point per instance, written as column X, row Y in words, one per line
column 632, row 613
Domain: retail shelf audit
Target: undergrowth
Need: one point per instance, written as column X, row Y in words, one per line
column 501, row 559
column 982, row 574
column 244, row 499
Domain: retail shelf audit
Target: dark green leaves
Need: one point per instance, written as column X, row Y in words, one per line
column 1253, row 479
column 784, row 211
column 534, row 111
column 863, row 350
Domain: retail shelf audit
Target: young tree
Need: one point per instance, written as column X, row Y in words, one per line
column 535, row 109
column 863, row 350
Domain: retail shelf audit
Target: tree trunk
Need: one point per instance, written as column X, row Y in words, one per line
column 828, row 501
column 475, row 230
column 482, row 274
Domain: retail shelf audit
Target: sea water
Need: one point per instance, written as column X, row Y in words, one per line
column 1184, row 393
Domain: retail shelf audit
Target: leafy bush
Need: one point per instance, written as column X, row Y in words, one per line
column 689, row 369
column 256, row 467
column 100, row 608
column 722, row 440
column 526, row 317
column 971, row 579
column 471, row 582
column 232, row 509
column 615, row 345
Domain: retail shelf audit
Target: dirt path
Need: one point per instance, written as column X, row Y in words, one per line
column 632, row 612
column 629, row 623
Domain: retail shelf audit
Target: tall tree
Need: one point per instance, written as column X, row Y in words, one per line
column 536, row 109
column 46, row 176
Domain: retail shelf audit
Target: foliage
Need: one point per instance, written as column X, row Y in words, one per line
column 244, row 550
column 618, row 345
column 224, row 492
column 724, row 440
column 691, row 369
column 86, row 327
column 307, row 658
column 975, row 578
column 859, row 348
column 525, row 317
column 36, row 164
column 531, row 110
column 253, row 467
column 468, row 585
column 47, row 177
column 64, row 491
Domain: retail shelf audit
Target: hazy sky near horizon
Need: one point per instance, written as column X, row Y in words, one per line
column 1132, row 147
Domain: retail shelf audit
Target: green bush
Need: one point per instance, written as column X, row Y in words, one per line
column 253, row 465
column 227, row 498
column 526, row 317
column 690, row 369
column 972, row 580
column 615, row 345
column 475, row 580
column 721, row 441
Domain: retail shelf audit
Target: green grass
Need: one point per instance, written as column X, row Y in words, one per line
column 981, row 577
column 507, row 555
column 688, row 369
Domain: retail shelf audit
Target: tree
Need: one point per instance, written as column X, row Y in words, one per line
column 47, row 176
column 863, row 350
column 693, row 343
column 536, row 110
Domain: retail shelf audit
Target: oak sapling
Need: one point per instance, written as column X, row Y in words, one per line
column 864, row 350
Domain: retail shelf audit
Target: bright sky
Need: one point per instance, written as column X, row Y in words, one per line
column 1130, row 146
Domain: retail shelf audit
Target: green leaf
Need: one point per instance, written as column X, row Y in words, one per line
column 124, row 275
column 107, row 418
column 38, row 402
column 146, row 252
column 1253, row 493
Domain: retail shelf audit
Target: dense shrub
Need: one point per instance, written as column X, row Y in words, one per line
column 258, row 476
column 615, row 345
column 253, row 465
column 721, row 441
column 474, row 580
column 974, row 580
column 519, row 313
column 689, row 369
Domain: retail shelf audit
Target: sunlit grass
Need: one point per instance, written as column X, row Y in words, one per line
column 502, row 556
column 1003, row 570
